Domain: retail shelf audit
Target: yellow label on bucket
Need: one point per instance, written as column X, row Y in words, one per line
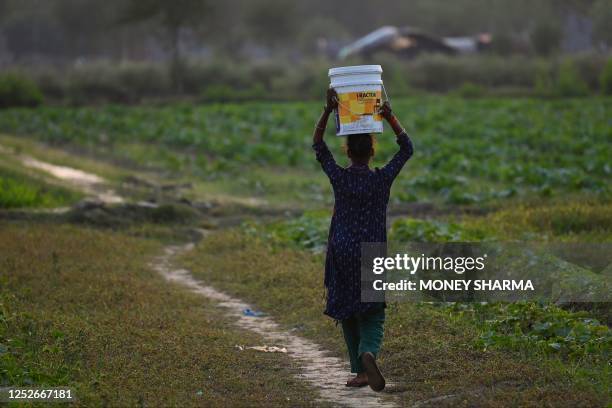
column 353, row 105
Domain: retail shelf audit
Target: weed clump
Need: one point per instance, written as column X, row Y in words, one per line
column 20, row 191
column 19, row 91
column 126, row 215
column 605, row 80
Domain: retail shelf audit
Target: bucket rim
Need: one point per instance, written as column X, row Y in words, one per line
column 349, row 83
column 355, row 70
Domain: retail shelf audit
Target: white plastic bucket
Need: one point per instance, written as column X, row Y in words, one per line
column 359, row 90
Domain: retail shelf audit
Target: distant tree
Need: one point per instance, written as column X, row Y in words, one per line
column 601, row 13
column 82, row 21
column 503, row 43
column 173, row 15
column 272, row 22
column 32, row 33
column 319, row 29
column 575, row 6
column 546, row 36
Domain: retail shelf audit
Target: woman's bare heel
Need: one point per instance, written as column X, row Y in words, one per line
column 359, row 381
column 375, row 377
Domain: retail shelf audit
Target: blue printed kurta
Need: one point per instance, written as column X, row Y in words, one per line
column 360, row 215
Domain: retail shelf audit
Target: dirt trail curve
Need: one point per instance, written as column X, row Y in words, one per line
column 326, row 373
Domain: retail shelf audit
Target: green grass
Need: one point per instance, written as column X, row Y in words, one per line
column 82, row 308
column 573, row 219
column 428, row 351
column 467, row 151
column 18, row 190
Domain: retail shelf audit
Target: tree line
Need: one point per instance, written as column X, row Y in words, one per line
column 118, row 29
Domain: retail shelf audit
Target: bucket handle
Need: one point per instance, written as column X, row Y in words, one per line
column 387, row 99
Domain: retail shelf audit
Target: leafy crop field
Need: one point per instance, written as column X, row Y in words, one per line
column 467, row 151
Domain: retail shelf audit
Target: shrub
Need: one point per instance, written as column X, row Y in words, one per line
column 174, row 214
column 436, row 72
column 544, row 81
column 569, row 83
column 225, row 93
column 443, row 73
column 93, row 83
column 143, row 80
column 17, row 190
column 51, row 84
column 14, row 194
column 200, row 76
column 605, row 79
column 16, row 90
column 470, row 90
column 590, row 66
column 279, row 79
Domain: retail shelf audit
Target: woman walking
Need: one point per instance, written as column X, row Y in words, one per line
column 361, row 196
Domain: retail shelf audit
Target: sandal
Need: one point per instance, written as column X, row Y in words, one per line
column 376, row 380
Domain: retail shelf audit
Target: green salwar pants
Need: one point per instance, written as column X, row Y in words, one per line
column 363, row 332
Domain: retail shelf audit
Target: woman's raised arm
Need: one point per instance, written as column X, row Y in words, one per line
column 332, row 103
column 324, row 156
column 392, row 169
